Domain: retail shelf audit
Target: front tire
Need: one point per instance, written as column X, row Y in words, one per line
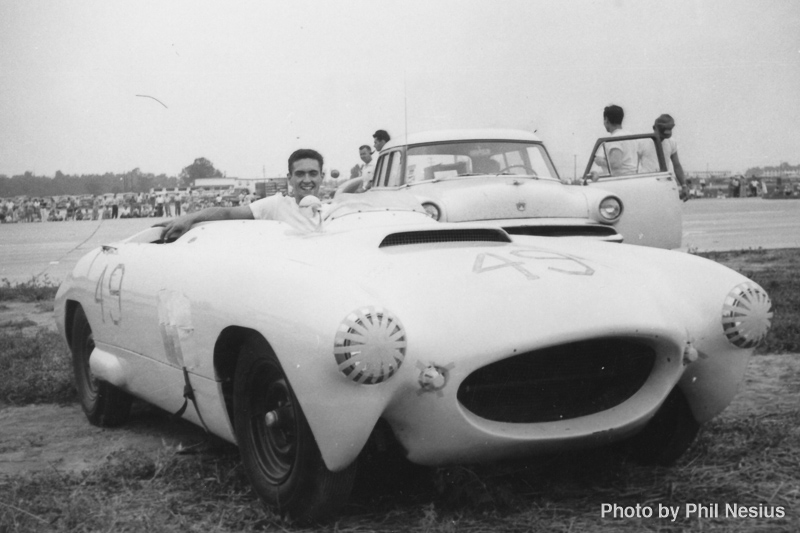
column 103, row 404
column 281, row 459
column 667, row 436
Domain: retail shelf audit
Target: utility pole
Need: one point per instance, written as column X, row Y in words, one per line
column 575, row 168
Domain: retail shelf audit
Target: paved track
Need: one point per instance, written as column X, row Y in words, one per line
column 739, row 224
column 52, row 248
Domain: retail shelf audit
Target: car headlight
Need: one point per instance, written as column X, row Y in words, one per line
column 432, row 211
column 746, row 315
column 370, row 345
column 610, row 209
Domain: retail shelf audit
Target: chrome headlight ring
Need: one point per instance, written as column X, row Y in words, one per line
column 746, row 315
column 433, row 210
column 610, row 209
column 370, row 345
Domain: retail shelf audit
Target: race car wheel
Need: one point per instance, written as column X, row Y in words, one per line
column 279, row 452
column 104, row 404
column 667, row 436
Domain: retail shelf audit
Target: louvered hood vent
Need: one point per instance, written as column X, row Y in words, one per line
column 448, row 235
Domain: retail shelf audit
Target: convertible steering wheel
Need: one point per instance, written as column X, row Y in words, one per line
column 523, row 167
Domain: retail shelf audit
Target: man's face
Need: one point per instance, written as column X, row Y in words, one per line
column 664, row 129
column 378, row 144
column 365, row 155
column 305, row 178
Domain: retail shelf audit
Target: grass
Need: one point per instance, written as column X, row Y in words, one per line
column 777, row 272
column 17, row 324
column 747, row 456
column 36, row 289
column 748, row 460
column 34, row 369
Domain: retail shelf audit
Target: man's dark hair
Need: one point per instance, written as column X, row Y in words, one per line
column 305, row 153
column 614, row 114
column 381, row 135
column 368, row 147
column 664, row 119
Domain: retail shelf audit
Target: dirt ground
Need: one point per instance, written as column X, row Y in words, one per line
column 38, row 437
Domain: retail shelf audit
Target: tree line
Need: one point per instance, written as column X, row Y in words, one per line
column 61, row 184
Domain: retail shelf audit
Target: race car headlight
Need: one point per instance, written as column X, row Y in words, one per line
column 370, row 345
column 610, row 209
column 746, row 315
column 432, row 211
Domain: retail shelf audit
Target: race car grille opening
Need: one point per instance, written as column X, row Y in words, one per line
column 558, row 383
column 450, row 235
column 562, row 231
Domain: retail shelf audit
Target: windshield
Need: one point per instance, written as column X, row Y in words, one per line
column 473, row 158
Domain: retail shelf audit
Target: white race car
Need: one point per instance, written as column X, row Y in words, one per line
column 469, row 343
column 506, row 178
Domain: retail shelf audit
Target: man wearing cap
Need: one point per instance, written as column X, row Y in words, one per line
column 663, row 127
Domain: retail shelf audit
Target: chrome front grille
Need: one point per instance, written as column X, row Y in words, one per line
column 559, row 382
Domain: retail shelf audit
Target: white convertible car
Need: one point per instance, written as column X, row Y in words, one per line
column 470, row 344
column 506, row 178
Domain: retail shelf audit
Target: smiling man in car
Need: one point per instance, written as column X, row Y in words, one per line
column 305, row 177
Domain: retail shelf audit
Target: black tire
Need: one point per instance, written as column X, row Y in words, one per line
column 104, row 404
column 283, row 461
column 667, row 436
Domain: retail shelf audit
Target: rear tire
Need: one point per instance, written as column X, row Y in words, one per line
column 103, row 404
column 668, row 434
column 282, row 461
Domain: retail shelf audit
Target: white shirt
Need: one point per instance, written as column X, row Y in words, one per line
column 649, row 160
column 630, row 154
column 367, row 171
column 283, row 209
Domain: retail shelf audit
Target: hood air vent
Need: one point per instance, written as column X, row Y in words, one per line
column 562, row 231
column 448, row 235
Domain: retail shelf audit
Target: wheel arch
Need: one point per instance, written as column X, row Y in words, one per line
column 70, row 307
column 226, row 354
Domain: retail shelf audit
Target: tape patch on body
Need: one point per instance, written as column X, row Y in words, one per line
column 175, row 323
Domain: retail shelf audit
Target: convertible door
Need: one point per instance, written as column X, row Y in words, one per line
column 652, row 210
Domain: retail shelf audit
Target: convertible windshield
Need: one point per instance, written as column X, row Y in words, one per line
column 473, row 158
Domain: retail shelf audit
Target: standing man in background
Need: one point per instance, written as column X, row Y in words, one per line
column 367, row 170
column 663, row 127
column 623, row 156
column 380, row 138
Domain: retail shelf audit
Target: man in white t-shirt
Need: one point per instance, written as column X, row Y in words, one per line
column 305, row 178
column 368, row 168
column 663, row 127
column 623, row 157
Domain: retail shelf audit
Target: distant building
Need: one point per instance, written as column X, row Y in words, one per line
column 270, row 186
column 710, row 174
column 779, row 173
column 261, row 186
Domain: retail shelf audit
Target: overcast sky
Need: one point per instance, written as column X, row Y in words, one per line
column 246, row 83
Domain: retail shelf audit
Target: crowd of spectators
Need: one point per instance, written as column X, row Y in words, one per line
column 120, row 205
